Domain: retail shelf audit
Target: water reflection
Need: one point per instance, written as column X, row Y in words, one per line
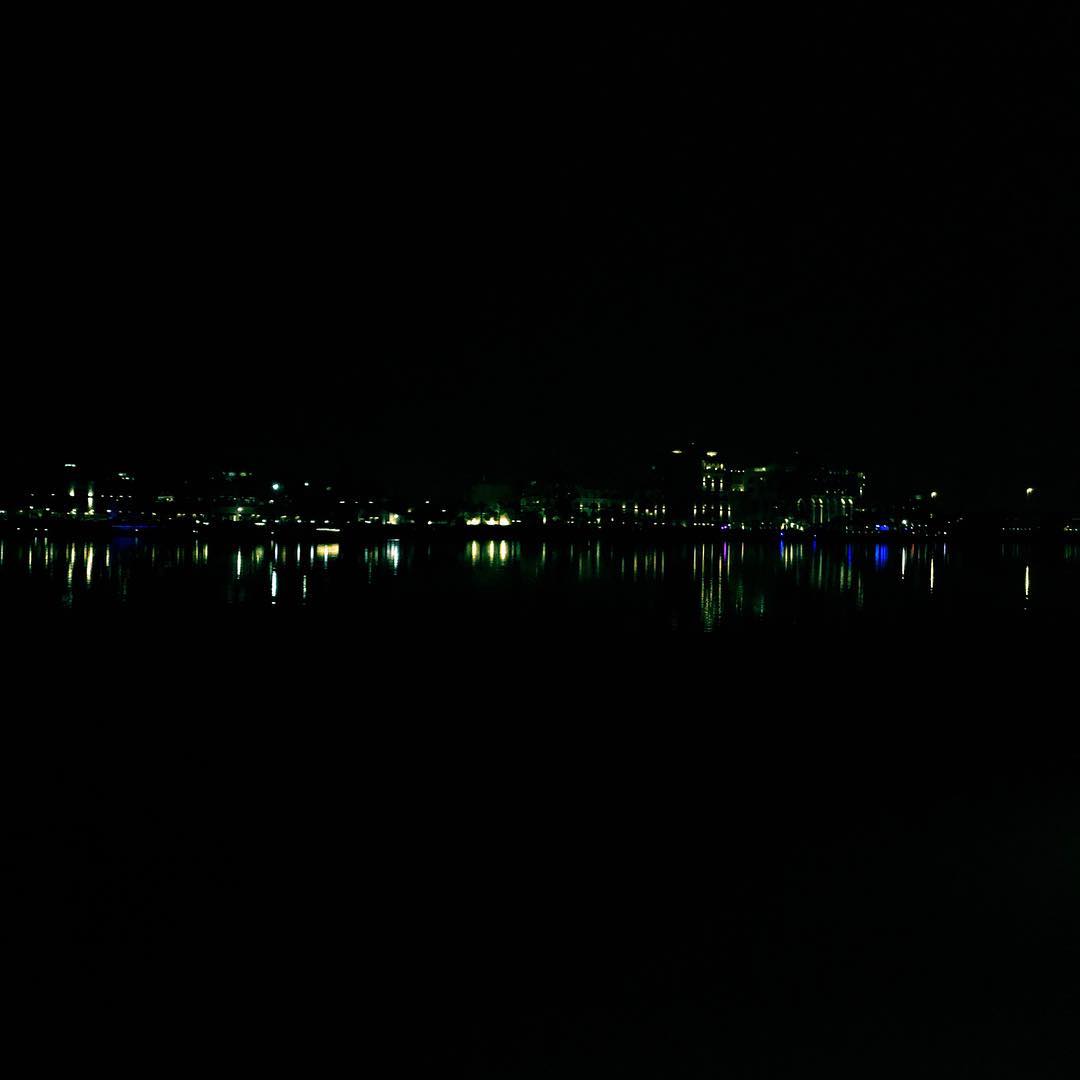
column 705, row 584
column 498, row 554
column 711, row 592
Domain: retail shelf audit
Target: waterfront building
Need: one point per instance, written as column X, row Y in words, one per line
column 705, row 489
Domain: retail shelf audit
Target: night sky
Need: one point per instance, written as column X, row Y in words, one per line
column 419, row 250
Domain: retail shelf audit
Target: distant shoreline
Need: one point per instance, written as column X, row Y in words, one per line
column 659, row 533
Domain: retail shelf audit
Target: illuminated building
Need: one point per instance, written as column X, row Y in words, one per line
column 703, row 489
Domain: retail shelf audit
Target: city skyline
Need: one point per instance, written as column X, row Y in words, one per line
column 687, row 486
column 564, row 251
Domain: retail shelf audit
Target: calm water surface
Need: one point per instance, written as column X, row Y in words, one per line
column 615, row 583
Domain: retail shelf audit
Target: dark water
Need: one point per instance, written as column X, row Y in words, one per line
column 573, row 855
column 604, row 583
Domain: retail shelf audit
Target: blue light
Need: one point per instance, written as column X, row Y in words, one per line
column 883, row 528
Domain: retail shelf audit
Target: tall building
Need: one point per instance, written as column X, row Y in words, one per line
column 704, row 489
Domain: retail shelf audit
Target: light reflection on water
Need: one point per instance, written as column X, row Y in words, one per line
column 703, row 584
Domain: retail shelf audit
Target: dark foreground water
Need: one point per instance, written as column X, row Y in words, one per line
column 841, row 840
column 606, row 584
